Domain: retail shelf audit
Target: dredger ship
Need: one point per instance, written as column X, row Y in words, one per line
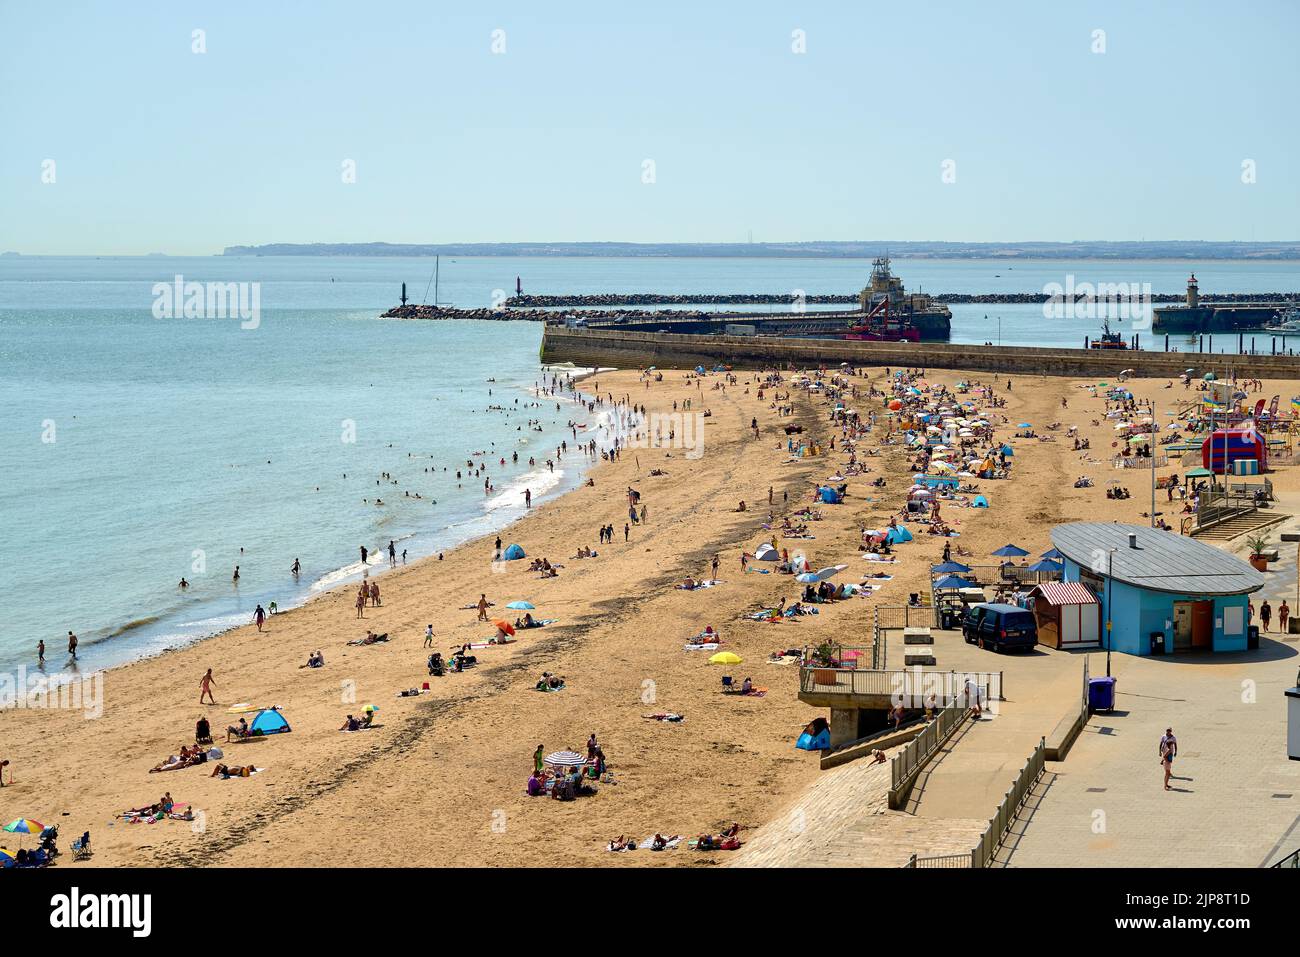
column 893, row 315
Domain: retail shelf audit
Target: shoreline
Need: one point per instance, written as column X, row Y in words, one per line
column 222, row 622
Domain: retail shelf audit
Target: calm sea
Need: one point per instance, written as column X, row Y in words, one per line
column 135, row 450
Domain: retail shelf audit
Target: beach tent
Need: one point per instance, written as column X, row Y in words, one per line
column 980, row 502
column 513, row 553
column 829, row 495
column 766, row 553
column 267, row 722
column 818, row 742
column 899, row 534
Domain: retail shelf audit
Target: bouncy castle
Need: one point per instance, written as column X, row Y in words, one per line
column 1224, row 447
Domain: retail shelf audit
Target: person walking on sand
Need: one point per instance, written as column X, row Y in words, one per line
column 428, row 636
column 1283, row 613
column 1168, row 751
column 1265, row 614
column 259, row 617
column 626, row 529
column 361, row 602
column 205, row 688
column 482, row 608
column 72, row 644
column 714, row 575
column 538, row 763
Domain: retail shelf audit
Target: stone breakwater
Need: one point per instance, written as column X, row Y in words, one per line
column 412, row 311
column 949, row 298
column 621, row 349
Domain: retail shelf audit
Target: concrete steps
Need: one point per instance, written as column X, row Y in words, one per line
column 1240, row 525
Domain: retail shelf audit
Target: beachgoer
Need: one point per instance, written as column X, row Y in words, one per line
column 259, row 617
column 482, row 608
column 40, row 650
column 428, row 636
column 1168, row 751
column 72, row 644
column 205, row 687
column 1283, row 613
column 1265, row 614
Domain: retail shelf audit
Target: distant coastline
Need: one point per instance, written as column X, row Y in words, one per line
column 1155, row 249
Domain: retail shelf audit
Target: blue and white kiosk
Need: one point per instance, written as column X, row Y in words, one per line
column 1160, row 593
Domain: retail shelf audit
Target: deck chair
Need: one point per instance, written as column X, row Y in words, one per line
column 81, row 847
column 728, row 686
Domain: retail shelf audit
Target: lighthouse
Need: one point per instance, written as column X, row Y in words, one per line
column 1193, row 293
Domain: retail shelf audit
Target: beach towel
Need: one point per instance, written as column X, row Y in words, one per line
column 709, row 646
column 754, row 693
column 783, row 660
column 649, row 842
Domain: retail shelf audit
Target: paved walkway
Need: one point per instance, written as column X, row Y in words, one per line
column 1236, row 797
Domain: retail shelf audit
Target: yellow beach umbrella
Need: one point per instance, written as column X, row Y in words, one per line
column 725, row 658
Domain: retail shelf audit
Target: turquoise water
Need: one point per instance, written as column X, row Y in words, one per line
column 136, row 450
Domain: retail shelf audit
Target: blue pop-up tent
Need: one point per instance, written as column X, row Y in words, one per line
column 898, row 534
column 819, row 742
column 267, row 722
column 513, row 553
column 979, row 502
column 829, row 495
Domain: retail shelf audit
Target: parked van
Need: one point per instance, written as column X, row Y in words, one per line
column 1000, row 627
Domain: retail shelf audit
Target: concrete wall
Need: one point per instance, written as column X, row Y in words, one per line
column 632, row 350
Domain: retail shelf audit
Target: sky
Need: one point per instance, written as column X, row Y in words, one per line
column 643, row 122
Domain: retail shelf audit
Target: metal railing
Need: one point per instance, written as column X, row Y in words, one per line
column 941, row 860
column 907, row 763
column 1290, row 862
column 905, row 616
column 911, row 686
column 1155, row 460
column 982, row 853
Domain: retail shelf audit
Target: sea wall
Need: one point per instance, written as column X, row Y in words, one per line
column 632, row 350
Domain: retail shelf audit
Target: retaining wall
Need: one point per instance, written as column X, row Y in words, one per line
column 634, row 350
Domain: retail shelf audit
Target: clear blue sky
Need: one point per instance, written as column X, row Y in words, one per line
column 159, row 149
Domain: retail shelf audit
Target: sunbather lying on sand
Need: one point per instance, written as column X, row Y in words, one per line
column 225, row 771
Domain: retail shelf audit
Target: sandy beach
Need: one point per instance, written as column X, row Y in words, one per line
column 440, row 780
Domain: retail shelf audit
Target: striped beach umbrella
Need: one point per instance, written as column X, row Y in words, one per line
column 7, row 857
column 24, row 825
column 565, row 759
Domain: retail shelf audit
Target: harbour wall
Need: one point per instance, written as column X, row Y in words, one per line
column 635, row 350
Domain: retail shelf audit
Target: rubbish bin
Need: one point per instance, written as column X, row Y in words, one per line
column 1101, row 694
column 1157, row 642
column 1252, row 637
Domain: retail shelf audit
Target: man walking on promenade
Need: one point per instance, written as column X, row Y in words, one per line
column 1168, row 751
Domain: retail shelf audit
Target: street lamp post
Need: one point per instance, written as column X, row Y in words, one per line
column 1110, row 568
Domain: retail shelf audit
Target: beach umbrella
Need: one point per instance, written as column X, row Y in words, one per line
column 829, row 572
column 565, row 759
column 953, row 581
column 505, row 626
column 726, row 658
column 1053, row 554
column 1045, row 565
column 7, row 857
column 370, row 709
column 24, row 825
column 807, row 578
column 947, row 568
column 522, row 605
column 1011, row 551
column 1024, row 425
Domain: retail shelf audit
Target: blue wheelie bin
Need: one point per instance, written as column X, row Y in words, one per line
column 1101, row 694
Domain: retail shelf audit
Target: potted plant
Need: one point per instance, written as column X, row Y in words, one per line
column 1258, row 544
